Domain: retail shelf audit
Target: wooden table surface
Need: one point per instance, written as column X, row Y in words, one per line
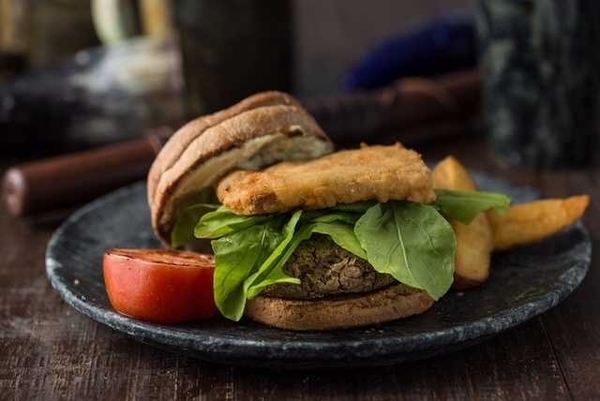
column 50, row 351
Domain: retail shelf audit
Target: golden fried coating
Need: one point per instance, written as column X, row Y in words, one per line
column 378, row 173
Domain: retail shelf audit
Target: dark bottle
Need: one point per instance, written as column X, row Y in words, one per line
column 540, row 63
column 232, row 49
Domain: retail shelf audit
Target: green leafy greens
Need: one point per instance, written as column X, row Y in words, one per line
column 465, row 205
column 183, row 230
column 250, row 252
column 412, row 242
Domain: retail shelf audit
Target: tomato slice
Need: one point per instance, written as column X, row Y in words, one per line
column 159, row 285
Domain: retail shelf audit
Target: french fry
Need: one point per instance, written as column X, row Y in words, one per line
column 531, row 222
column 474, row 242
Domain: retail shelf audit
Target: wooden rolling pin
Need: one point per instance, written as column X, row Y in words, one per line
column 66, row 181
column 393, row 114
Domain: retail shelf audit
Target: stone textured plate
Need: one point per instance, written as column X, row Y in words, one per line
column 524, row 283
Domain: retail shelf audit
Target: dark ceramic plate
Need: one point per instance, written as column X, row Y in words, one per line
column 524, row 283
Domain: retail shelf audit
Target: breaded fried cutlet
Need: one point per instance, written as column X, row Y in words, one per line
column 379, row 173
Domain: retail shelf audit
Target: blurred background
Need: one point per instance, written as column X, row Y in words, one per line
column 115, row 78
column 332, row 36
column 327, row 36
column 231, row 49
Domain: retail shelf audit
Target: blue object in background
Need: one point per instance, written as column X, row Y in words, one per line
column 443, row 45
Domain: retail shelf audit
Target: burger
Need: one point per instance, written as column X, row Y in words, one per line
column 305, row 238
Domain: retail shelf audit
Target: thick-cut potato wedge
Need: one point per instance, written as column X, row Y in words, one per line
column 531, row 222
column 474, row 242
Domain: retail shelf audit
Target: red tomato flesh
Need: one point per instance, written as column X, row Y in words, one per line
column 160, row 286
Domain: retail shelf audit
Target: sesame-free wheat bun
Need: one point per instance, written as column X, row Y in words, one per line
column 258, row 131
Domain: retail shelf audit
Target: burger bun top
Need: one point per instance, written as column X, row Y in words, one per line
column 261, row 130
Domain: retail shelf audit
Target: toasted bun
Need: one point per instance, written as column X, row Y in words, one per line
column 261, row 130
column 385, row 305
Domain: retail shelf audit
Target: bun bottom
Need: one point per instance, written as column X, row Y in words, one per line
column 385, row 305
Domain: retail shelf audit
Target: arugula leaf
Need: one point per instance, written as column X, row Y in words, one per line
column 465, row 205
column 183, row 230
column 237, row 256
column 347, row 213
column 343, row 235
column 276, row 274
column 345, row 217
column 223, row 221
column 272, row 267
column 410, row 241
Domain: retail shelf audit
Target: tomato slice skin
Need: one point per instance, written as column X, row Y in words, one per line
column 160, row 286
